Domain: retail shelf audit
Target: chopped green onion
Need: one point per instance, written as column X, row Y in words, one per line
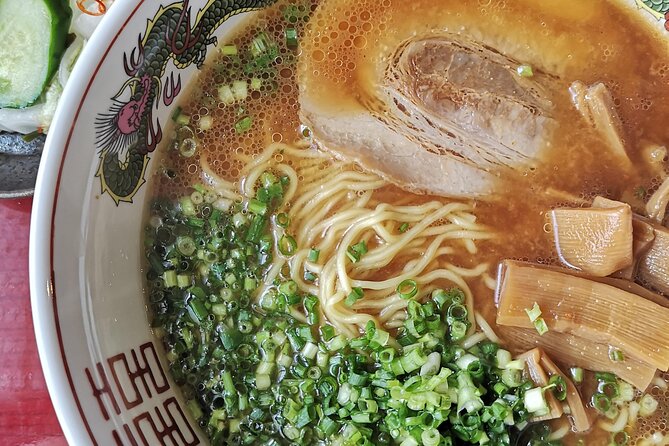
column 205, row 123
column 196, row 198
column 287, row 245
column 194, row 409
column 403, row 228
column 256, row 84
column 182, row 119
column 355, row 252
column 226, row 95
column 355, row 295
column 533, row 313
column 616, row 355
column 289, row 288
column 503, row 358
column 256, row 228
column 240, row 90
column 601, row 402
column 576, row 374
column 239, row 220
column 313, row 255
column 357, row 380
column 540, row 326
column 625, row 392
column 188, row 147
column 263, row 382
column 609, row 388
column 413, row 360
column 175, row 114
column 250, row 284
column 183, row 280
column 430, row 437
column 229, row 50
column 328, row 426
column 244, row 124
column 327, row 332
column 559, row 387
column 620, row 438
column 170, row 278
column 457, row 312
column 261, row 45
column 407, row 289
column 386, row 355
column 309, row 350
column 606, row 377
column 648, row 406
column 257, row 207
column 525, row 71
column 535, row 402
column 291, row 37
column 283, row 220
column 305, row 416
column 198, row 310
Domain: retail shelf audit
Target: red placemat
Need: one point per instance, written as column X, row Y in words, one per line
column 26, row 414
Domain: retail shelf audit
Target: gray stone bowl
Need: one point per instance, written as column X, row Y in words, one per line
column 19, row 161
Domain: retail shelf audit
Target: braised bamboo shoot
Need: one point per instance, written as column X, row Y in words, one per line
column 595, row 311
column 597, row 241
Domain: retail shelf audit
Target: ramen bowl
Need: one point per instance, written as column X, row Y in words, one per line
column 106, row 372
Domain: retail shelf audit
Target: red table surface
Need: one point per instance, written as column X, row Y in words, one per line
column 26, row 414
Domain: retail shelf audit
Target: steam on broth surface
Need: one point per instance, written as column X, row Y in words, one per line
column 324, row 244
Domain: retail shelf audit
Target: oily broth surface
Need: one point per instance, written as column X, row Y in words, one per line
column 588, row 41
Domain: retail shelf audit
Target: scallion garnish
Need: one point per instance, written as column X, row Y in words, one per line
column 257, row 207
column 620, row 438
column 291, row 37
column 313, row 255
column 287, row 245
column 229, row 50
column 535, row 402
column 534, row 312
column 355, row 295
column 616, row 355
column 525, row 71
column 558, row 386
column 244, row 124
column 601, row 402
column 256, row 84
column 535, row 317
column 283, row 220
column 540, row 326
column 407, row 289
column 355, row 252
column 263, row 373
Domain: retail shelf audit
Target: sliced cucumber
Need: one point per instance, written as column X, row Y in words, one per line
column 33, row 35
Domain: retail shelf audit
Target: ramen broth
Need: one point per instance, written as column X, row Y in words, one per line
column 589, row 41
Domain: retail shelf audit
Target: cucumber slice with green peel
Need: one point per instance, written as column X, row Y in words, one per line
column 33, row 36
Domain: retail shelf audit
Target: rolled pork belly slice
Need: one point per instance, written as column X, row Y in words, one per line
column 448, row 116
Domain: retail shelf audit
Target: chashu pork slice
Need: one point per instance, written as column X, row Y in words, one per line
column 446, row 116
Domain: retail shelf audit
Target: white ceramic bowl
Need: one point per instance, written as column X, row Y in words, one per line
column 104, row 369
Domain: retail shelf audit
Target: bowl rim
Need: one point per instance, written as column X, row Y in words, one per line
column 40, row 254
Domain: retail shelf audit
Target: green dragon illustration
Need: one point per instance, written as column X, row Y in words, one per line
column 127, row 133
column 658, row 8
